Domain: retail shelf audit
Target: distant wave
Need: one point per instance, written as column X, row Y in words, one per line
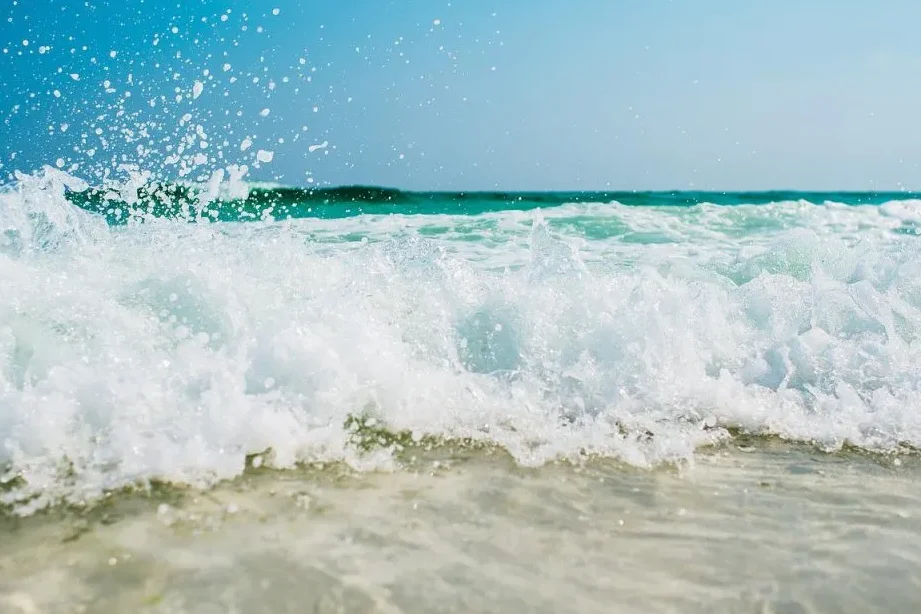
column 259, row 202
column 377, row 194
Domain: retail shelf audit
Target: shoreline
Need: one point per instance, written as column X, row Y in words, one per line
column 775, row 526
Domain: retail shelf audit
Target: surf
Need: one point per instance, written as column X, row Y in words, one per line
column 166, row 350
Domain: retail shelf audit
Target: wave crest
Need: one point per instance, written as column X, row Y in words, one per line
column 173, row 351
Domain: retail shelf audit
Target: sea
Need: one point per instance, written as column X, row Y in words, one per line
column 240, row 397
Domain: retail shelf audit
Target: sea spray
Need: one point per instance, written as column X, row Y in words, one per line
column 169, row 350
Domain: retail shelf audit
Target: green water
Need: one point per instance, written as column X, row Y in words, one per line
column 342, row 202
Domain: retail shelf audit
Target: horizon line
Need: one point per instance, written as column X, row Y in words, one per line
column 267, row 185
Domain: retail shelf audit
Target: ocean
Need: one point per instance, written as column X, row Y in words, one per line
column 240, row 398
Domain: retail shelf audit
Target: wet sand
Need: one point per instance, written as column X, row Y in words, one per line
column 763, row 528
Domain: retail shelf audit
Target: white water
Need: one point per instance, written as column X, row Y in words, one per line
column 171, row 351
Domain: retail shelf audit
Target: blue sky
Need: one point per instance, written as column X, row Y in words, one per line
column 470, row 94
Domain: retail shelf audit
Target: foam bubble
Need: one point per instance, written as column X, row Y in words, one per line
column 171, row 350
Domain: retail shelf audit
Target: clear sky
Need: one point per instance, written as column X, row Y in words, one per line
column 470, row 94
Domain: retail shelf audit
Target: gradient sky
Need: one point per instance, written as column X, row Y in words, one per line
column 471, row 94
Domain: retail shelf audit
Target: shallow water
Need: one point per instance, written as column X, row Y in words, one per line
column 748, row 528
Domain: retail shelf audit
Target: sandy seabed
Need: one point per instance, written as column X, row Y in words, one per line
column 767, row 527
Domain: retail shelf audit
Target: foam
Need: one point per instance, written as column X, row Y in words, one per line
column 168, row 350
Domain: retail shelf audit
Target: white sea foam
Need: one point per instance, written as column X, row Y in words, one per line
column 169, row 350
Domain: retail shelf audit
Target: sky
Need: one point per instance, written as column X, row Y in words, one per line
column 468, row 94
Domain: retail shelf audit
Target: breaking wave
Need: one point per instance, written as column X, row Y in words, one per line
column 153, row 348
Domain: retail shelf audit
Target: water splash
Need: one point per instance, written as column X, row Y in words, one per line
column 167, row 350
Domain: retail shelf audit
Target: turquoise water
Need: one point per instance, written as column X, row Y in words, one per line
column 141, row 341
column 334, row 203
